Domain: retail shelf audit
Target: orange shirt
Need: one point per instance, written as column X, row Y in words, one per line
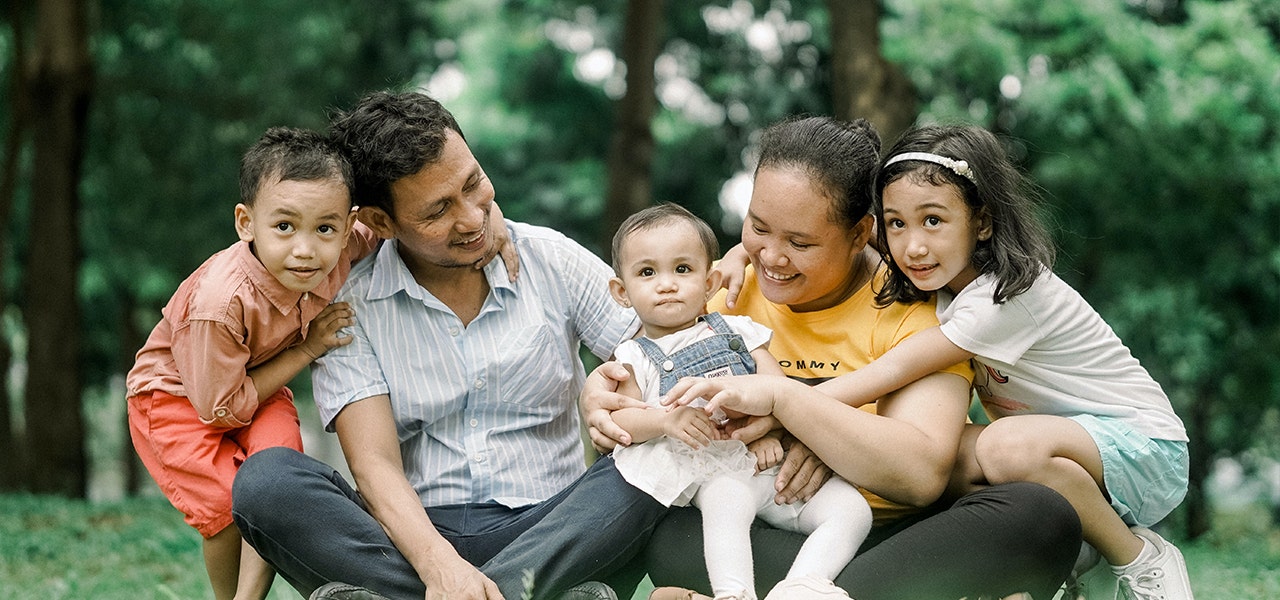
column 226, row 318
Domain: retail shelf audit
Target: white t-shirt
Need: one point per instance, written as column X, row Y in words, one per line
column 1046, row 351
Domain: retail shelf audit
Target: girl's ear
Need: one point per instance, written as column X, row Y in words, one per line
column 244, row 223
column 985, row 228
column 619, row 292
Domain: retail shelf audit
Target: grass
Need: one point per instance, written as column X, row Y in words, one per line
column 139, row 549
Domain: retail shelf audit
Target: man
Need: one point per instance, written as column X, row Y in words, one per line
column 455, row 402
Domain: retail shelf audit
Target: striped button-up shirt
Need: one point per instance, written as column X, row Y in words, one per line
column 487, row 411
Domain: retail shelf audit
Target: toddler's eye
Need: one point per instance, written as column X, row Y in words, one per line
column 684, row 269
column 646, row 272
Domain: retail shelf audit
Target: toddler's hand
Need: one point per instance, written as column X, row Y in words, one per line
column 768, row 451
column 323, row 333
column 691, row 426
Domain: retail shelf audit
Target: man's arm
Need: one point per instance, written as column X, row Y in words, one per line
column 366, row 430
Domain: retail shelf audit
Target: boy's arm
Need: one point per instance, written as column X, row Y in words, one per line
column 322, row 336
column 922, row 353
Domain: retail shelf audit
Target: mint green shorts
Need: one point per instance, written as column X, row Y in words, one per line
column 1146, row 478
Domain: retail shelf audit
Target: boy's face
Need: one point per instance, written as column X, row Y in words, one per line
column 298, row 229
column 665, row 277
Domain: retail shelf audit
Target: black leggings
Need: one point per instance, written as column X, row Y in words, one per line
column 1016, row 537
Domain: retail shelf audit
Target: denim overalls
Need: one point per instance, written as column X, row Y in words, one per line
column 720, row 355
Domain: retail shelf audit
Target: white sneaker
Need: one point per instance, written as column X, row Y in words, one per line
column 1162, row 576
column 809, row 587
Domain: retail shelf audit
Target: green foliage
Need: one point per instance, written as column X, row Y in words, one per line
column 140, row 549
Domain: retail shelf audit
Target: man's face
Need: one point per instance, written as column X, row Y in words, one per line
column 441, row 217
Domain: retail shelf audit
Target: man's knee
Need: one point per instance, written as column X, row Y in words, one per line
column 259, row 483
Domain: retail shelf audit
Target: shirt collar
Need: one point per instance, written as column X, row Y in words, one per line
column 391, row 275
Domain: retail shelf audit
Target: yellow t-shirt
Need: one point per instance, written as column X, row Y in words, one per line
column 816, row 346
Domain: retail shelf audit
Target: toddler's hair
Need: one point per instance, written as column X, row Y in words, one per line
column 839, row 156
column 661, row 215
column 291, row 154
column 1019, row 249
column 389, row 136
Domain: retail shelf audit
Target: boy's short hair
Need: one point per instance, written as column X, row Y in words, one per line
column 663, row 214
column 291, row 154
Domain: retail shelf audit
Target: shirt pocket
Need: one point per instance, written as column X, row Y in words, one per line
column 534, row 369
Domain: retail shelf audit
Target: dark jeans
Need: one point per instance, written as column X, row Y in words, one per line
column 1016, row 537
column 308, row 523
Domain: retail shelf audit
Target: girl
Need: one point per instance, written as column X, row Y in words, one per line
column 1072, row 408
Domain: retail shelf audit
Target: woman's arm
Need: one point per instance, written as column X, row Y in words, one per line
column 366, row 430
column 904, row 452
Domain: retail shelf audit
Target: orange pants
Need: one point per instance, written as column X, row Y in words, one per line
column 194, row 463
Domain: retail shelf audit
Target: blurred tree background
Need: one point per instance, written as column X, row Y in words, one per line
column 1153, row 127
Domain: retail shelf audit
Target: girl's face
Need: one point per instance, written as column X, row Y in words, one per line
column 932, row 233
column 665, row 276
column 801, row 257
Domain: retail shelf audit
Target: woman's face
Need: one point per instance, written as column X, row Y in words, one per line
column 802, row 258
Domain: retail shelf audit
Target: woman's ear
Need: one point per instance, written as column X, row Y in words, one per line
column 863, row 231
column 619, row 292
column 244, row 223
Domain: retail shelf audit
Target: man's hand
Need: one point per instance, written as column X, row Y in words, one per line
column 599, row 399
column 801, row 474
column 459, row 579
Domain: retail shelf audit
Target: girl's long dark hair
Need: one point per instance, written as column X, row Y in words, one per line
column 1019, row 249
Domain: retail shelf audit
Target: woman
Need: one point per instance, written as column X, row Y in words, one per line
column 811, row 281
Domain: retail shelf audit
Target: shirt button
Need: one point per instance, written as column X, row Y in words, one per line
column 221, row 412
column 479, row 459
column 479, row 383
column 474, row 422
column 453, row 331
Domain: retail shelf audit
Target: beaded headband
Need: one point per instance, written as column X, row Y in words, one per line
column 959, row 167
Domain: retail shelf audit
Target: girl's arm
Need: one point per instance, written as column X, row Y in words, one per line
column 923, row 353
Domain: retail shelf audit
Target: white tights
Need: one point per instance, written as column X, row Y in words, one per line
column 837, row 520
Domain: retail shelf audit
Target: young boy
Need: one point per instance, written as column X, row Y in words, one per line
column 662, row 258
column 208, row 388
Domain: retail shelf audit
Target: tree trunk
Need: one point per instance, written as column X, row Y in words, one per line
column 12, row 465
column 1198, row 518
column 863, row 83
column 132, row 338
column 632, row 145
column 59, row 108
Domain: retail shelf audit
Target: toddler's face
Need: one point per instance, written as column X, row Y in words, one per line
column 665, row 277
column 298, row 229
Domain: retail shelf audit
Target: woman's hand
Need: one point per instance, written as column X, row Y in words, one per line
column 501, row 244
column 801, row 474
column 732, row 268
column 599, row 399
